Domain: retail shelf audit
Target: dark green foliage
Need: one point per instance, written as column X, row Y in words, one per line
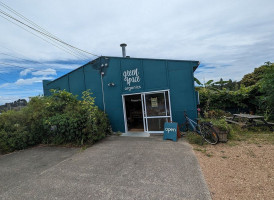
column 215, row 114
column 255, row 95
column 219, row 123
column 252, row 78
column 194, row 138
column 58, row 119
column 197, row 81
column 267, row 88
column 223, row 99
column 219, row 85
column 73, row 121
column 16, row 131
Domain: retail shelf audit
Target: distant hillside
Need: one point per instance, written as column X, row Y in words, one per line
column 16, row 105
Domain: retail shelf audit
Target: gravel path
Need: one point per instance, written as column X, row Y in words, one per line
column 243, row 171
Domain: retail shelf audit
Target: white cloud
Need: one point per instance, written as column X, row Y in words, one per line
column 45, row 72
column 30, row 81
column 25, row 72
column 47, row 67
column 4, row 85
column 233, row 36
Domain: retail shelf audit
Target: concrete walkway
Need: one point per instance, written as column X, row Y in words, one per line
column 115, row 168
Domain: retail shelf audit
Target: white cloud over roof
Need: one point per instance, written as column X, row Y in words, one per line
column 30, row 81
column 232, row 37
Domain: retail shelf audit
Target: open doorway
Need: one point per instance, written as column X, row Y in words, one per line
column 134, row 113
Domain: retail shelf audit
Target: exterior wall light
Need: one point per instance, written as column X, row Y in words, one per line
column 111, row 84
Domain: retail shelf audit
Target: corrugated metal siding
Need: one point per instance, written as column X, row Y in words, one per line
column 155, row 75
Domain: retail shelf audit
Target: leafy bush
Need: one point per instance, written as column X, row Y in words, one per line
column 15, row 140
column 215, row 114
column 231, row 129
column 74, row 121
column 225, row 99
column 255, row 95
column 194, row 138
column 222, row 125
column 267, row 87
column 58, row 119
column 15, row 132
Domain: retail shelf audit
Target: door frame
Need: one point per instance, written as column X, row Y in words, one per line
column 125, row 113
column 145, row 124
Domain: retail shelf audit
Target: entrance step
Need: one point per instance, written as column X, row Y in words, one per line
column 136, row 134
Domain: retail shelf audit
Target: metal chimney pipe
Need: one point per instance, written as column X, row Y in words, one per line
column 123, row 45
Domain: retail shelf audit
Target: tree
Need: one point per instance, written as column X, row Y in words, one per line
column 207, row 84
column 197, row 81
column 255, row 76
column 220, row 83
column 268, row 63
column 267, row 87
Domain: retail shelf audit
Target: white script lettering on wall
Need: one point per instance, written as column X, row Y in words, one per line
column 136, row 87
column 131, row 76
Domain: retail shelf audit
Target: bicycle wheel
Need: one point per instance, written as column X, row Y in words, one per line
column 208, row 133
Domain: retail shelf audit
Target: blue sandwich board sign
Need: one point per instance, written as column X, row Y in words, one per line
column 170, row 131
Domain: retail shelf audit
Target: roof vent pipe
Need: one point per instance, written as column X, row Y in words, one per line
column 123, row 45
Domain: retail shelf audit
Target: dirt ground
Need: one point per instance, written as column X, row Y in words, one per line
column 238, row 170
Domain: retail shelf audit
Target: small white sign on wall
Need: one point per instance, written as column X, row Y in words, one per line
column 154, row 102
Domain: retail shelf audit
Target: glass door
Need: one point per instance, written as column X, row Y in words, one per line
column 156, row 110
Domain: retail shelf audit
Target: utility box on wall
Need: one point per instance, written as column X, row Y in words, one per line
column 138, row 94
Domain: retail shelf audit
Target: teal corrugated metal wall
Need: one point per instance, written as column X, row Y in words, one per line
column 177, row 76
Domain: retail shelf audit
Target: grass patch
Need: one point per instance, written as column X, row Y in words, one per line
column 83, row 148
column 209, row 154
column 255, row 136
column 236, row 134
column 194, row 138
column 201, row 150
column 118, row 133
column 204, row 151
column 232, row 143
column 252, row 135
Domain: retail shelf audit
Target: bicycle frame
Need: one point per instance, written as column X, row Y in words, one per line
column 205, row 130
column 193, row 124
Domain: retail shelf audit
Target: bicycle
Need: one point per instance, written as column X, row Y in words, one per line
column 203, row 129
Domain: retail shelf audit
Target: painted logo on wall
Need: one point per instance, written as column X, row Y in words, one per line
column 132, row 79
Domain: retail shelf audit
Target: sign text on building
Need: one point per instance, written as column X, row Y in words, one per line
column 132, row 79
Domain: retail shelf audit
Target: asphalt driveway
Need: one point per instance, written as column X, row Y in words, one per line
column 115, row 168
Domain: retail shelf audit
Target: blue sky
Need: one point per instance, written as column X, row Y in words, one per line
column 229, row 38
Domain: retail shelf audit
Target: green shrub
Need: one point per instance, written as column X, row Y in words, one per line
column 15, row 132
column 74, row 121
column 58, row 119
column 10, row 141
column 216, row 114
column 255, row 94
column 231, row 129
column 99, row 126
column 221, row 124
column 234, row 132
column 194, row 138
